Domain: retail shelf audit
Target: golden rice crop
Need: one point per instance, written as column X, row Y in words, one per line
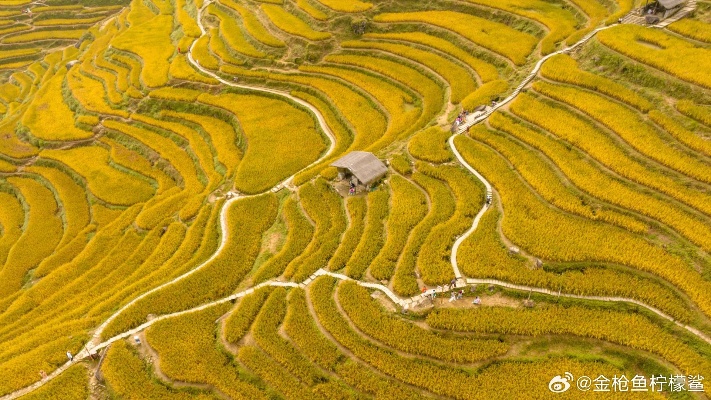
column 695, row 111
column 325, row 208
column 430, row 145
column 48, row 117
column 543, row 178
column 667, row 53
column 7, row 167
column 495, row 36
column 253, row 25
column 42, row 9
column 237, row 324
column 220, row 50
column 201, row 54
column 460, row 82
column 442, row 208
column 292, row 24
column 692, row 28
column 232, row 33
column 276, row 377
column 373, row 235
column 9, row 92
column 600, row 147
column 91, row 120
column 70, row 385
column 154, row 215
column 156, row 249
column 187, row 23
column 248, row 219
column 623, row 7
column 300, row 232
column 180, row 68
column 484, row 94
column 408, row 207
column 4, row 54
column 348, row 6
column 394, row 99
column 199, row 244
column 199, row 148
column 357, row 209
column 595, row 12
column 433, row 260
column 401, row 164
column 132, row 160
column 20, row 370
column 175, row 94
column 107, row 78
column 42, row 233
column 149, row 38
column 73, row 200
column 12, row 218
column 563, row 68
column 433, row 95
column 34, row 36
column 13, row 29
column 438, row 378
column 188, row 352
column 631, row 128
column 77, row 21
column 560, row 22
column 311, row 10
column 127, row 375
column 371, row 319
column 130, row 65
column 104, row 181
column 483, row 256
column 272, row 139
column 265, row 332
column 526, row 216
column 487, row 72
column 335, row 123
column 169, row 151
column 302, row 330
column 90, row 93
column 222, row 135
column 689, row 138
column 578, row 321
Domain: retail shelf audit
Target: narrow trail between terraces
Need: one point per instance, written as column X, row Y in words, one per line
column 95, row 345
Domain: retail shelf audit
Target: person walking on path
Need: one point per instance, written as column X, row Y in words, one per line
column 477, row 301
column 43, row 375
column 70, row 356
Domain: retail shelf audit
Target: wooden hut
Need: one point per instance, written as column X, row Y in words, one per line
column 361, row 166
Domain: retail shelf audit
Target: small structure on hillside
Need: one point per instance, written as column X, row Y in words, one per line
column 661, row 9
column 360, row 168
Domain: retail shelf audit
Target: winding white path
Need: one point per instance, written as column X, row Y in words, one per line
column 94, row 345
column 223, row 212
column 475, row 118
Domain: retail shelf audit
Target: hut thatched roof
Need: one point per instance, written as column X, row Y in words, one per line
column 670, row 3
column 365, row 166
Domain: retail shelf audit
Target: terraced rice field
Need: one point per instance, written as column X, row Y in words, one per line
column 169, row 215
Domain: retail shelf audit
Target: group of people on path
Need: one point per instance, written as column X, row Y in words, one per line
column 462, row 117
column 455, row 295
